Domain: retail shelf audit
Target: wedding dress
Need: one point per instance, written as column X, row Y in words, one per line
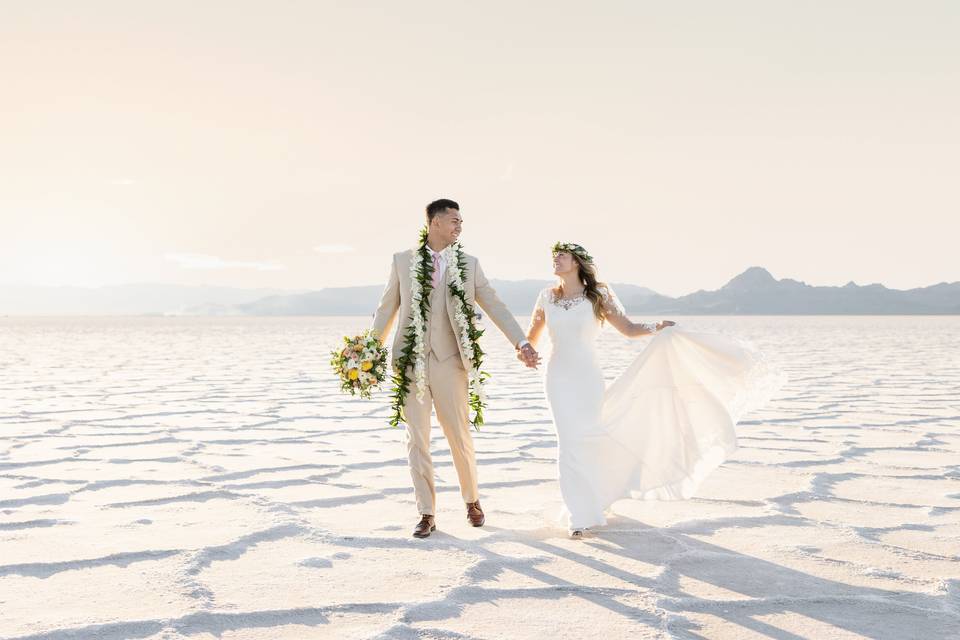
column 661, row 427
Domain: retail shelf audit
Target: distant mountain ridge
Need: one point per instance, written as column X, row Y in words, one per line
column 757, row 292
column 519, row 297
column 125, row 299
column 753, row 292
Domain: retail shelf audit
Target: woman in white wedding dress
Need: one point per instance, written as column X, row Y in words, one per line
column 663, row 425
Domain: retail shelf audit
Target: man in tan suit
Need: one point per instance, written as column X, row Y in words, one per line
column 446, row 363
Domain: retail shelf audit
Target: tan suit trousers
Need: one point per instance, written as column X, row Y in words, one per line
column 447, row 392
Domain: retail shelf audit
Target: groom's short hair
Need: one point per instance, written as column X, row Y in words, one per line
column 438, row 207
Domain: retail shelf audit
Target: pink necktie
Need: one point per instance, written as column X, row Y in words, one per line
column 436, row 270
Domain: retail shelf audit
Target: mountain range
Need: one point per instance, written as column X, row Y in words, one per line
column 753, row 292
column 756, row 292
column 125, row 299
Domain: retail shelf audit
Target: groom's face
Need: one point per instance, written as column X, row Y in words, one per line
column 448, row 225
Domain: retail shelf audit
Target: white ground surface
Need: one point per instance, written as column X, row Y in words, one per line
column 200, row 478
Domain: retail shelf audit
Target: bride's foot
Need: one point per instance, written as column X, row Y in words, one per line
column 577, row 534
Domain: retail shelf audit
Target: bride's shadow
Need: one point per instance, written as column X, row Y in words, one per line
column 756, row 588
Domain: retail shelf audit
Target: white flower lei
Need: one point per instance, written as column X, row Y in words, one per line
column 477, row 378
column 416, row 321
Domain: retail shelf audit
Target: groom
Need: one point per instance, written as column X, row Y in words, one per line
column 445, row 360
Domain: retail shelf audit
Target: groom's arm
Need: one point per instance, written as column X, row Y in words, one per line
column 389, row 304
column 490, row 302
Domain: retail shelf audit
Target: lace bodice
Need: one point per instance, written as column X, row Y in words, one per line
column 565, row 303
column 571, row 322
column 611, row 304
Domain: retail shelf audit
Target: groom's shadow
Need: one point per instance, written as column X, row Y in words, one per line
column 755, row 588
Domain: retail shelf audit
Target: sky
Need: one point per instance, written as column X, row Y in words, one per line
column 295, row 144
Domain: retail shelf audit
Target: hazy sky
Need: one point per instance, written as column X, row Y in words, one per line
column 295, row 144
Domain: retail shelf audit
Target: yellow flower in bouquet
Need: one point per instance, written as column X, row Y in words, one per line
column 361, row 365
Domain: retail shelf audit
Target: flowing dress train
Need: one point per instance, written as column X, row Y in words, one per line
column 661, row 427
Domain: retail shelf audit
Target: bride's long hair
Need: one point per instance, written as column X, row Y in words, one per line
column 592, row 288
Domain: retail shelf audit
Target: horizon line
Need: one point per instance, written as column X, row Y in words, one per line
column 294, row 290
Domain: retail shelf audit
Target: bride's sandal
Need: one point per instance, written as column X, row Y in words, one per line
column 577, row 534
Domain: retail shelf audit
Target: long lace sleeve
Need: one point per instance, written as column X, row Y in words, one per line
column 537, row 319
column 538, row 314
column 612, row 307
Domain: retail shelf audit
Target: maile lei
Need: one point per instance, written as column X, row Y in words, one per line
column 412, row 353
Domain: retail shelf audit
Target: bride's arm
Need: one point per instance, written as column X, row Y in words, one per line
column 537, row 322
column 631, row 329
column 616, row 315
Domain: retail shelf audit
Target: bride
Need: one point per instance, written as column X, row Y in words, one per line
column 663, row 425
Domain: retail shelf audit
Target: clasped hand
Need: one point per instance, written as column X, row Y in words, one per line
column 528, row 356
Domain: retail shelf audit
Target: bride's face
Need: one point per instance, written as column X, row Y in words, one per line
column 563, row 262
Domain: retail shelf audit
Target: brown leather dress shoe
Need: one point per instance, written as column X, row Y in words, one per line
column 424, row 527
column 475, row 514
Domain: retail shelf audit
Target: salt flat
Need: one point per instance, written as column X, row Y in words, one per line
column 203, row 478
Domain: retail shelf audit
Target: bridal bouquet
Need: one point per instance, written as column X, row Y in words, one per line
column 361, row 364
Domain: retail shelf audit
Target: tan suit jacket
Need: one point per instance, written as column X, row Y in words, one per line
column 396, row 297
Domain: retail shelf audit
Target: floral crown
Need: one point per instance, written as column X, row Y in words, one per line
column 575, row 249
